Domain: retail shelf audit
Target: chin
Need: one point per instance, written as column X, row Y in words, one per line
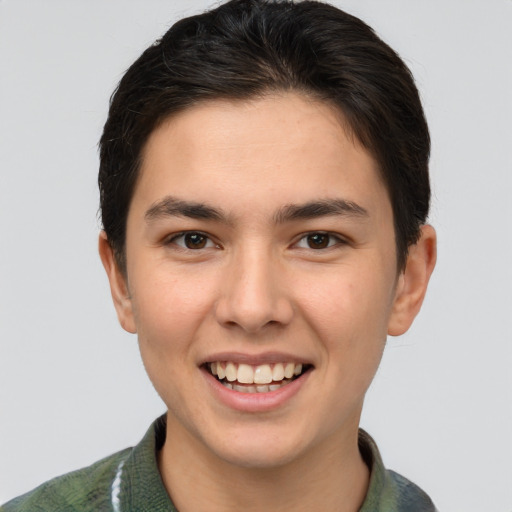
column 257, row 451
column 259, row 459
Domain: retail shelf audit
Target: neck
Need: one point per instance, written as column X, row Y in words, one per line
column 331, row 477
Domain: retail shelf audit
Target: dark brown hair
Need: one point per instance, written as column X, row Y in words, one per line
column 247, row 48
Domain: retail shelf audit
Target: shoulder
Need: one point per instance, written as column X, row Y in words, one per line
column 87, row 489
column 126, row 480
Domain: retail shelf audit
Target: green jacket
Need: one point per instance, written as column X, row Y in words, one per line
column 129, row 481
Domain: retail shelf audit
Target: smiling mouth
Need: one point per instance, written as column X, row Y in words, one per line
column 264, row 378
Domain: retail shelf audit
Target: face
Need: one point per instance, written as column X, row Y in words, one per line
column 261, row 276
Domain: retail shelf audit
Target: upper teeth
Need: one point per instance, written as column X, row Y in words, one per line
column 261, row 374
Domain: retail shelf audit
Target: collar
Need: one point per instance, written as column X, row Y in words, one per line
column 142, row 487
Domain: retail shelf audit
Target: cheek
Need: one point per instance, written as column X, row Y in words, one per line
column 168, row 309
column 348, row 312
column 354, row 304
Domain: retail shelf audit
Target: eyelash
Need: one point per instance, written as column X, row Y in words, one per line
column 209, row 243
column 330, row 236
column 184, row 234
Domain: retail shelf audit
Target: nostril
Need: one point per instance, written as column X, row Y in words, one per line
column 253, row 304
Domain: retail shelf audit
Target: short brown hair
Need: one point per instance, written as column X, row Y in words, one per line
column 246, row 48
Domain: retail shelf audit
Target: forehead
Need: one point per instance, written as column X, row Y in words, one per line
column 270, row 150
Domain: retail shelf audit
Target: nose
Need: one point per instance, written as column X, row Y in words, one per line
column 253, row 293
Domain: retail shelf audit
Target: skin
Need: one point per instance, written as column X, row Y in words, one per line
column 259, row 286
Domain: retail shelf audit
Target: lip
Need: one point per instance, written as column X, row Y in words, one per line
column 256, row 359
column 254, row 402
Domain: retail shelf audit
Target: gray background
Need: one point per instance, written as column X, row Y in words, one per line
column 72, row 387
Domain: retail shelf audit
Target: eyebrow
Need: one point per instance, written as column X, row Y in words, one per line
column 319, row 208
column 171, row 206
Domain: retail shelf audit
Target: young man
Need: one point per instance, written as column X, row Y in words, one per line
column 264, row 194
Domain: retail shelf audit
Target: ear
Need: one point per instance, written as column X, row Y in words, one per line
column 118, row 285
column 413, row 281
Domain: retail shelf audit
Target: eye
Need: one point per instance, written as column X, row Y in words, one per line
column 192, row 240
column 318, row 240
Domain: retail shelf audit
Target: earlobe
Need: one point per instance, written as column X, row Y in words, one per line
column 118, row 285
column 413, row 281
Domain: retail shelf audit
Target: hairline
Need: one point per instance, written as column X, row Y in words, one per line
column 273, row 91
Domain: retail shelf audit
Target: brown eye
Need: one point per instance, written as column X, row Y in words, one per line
column 192, row 240
column 318, row 241
column 195, row 240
